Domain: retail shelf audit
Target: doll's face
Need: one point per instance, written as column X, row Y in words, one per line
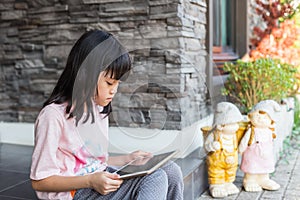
column 260, row 119
column 229, row 128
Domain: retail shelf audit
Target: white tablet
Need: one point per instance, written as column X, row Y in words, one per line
column 144, row 165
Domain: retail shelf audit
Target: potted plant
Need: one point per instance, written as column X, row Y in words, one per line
column 251, row 82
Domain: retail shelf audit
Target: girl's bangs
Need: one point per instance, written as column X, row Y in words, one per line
column 119, row 69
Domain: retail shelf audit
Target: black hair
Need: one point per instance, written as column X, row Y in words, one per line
column 85, row 78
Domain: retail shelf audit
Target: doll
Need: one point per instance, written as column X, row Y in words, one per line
column 257, row 148
column 221, row 145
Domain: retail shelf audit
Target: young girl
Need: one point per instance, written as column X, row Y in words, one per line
column 70, row 158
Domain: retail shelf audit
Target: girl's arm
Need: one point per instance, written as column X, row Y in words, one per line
column 124, row 159
column 103, row 182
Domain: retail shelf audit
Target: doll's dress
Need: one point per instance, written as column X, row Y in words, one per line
column 258, row 158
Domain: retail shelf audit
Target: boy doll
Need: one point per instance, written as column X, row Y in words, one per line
column 257, row 148
column 221, row 145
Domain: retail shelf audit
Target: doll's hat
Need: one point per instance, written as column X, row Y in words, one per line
column 268, row 106
column 226, row 113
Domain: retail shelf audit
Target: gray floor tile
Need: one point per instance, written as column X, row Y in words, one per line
column 21, row 191
column 15, row 158
column 14, row 172
column 11, row 179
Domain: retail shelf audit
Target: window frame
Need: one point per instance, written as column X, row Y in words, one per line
column 239, row 33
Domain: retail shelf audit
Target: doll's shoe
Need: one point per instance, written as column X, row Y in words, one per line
column 218, row 191
column 252, row 187
column 269, row 185
column 231, row 188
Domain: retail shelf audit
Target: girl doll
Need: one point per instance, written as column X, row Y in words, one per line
column 70, row 158
column 221, row 145
column 257, row 148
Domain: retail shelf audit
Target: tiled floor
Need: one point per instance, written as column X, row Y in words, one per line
column 14, row 172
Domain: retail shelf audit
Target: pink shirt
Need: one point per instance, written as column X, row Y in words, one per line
column 62, row 148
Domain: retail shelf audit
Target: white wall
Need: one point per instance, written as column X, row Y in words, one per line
column 125, row 140
column 17, row 133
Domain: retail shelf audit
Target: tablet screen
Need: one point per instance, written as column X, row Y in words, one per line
column 144, row 165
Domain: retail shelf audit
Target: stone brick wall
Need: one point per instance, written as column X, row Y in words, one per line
column 166, row 38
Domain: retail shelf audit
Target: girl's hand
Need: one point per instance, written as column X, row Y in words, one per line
column 141, row 157
column 104, row 182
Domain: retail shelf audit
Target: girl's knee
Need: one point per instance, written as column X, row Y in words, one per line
column 160, row 177
column 175, row 181
column 154, row 186
column 173, row 172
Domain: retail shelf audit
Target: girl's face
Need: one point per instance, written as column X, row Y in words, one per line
column 106, row 90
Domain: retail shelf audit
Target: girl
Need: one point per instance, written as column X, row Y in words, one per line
column 70, row 158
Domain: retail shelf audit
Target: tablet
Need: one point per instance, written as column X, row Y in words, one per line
column 144, row 165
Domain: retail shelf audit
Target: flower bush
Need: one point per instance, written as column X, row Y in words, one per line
column 280, row 44
column 271, row 12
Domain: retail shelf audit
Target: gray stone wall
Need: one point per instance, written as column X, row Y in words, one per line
column 166, row 38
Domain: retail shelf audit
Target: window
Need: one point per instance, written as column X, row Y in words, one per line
column 229, row 26
column 222, row 24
